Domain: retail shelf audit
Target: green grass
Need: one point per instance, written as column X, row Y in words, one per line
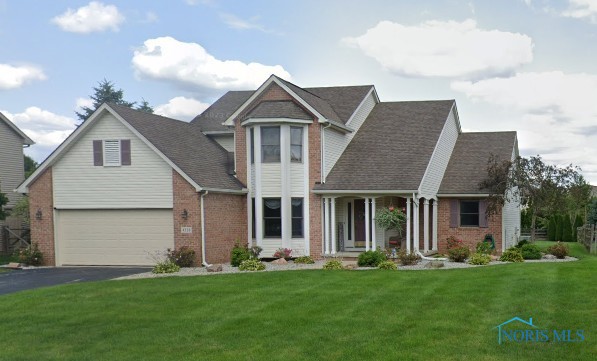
column 6, row 259
column 308, row 315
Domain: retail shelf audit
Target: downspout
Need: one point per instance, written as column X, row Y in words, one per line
column 203, row 258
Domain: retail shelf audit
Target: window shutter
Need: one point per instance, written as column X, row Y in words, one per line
column 453, row 213
column 125, row 152
column 98, row 153
column 483, row 214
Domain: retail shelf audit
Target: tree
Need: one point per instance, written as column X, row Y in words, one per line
column 144, row 106
column 21, row 209
column 30, row 166
column 566, row 229
column 541, row 187
column 552, row 230
column 3, row 202
column 577, row 223
column 592, row 212
column 106, row 92
column 559, row 228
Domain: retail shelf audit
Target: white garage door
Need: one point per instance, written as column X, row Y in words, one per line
column 112, row 237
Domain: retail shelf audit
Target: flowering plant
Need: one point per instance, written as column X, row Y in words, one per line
column 391, row 218
column 283, row 253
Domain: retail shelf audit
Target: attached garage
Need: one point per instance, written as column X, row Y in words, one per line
column 112, row 237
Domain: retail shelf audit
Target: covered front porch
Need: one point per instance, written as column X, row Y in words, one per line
column 349, row 225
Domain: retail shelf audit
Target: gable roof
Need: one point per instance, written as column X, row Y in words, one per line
column 199, row 157
column 278, row 109
column 183, row 146
column 343, row 99
column 468, row 162
column 26, row 139
column 392, row 148
column 212, row 118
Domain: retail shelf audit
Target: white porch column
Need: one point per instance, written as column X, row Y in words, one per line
column 373, row 241
column 333, row 224
column 416, row 224
column 434, row 236
column 426, row 225
column 367, row 225
column 326, row 227
column 408, row 222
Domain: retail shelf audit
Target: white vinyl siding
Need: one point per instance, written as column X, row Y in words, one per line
column 11, row 163
column 438, row 163
column 297, row 180
column 78, row 184
column 271, row 180
column 336, row 142
column 511, row 219
column 225, row 141
column 112, row 237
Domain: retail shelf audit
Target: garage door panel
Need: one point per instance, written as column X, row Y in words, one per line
column 113, row 237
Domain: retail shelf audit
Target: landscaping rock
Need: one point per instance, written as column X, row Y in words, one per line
column 549, row 256
column 435, row 264
column 280, row 261
column 351, row 266
column 13, row 265
column 494, row 257
column 214, row 268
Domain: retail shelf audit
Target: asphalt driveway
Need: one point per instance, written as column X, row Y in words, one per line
column 20, row 280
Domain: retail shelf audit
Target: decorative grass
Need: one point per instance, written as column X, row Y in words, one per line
column 308, row 315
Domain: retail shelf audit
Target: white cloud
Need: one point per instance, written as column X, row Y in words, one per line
column 12, row 77
column 94, row 17
column 235, row 22
column 581, row 9
column 444, row 49
column 181, row 108
column 83, row 102
column 190, row 65
column 47, row 129
column 555, row 113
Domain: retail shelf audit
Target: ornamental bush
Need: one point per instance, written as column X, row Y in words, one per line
column 559, row 250
column 457, row 251
column 333, row 264
column 408, row 259
column 512, row 255
column 530, row 251
column 387, row 265
column 31, row 255
column 285, row 253
column 371, row 258
column 483, row 247
column 183, row 257
column 239, row 254
column 304, row 260
column 251, row 264
column 165, row 267
column 479, row 258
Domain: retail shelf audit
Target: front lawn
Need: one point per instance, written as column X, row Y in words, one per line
column 308, row 315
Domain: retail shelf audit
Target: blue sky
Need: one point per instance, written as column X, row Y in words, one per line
column 524, row 65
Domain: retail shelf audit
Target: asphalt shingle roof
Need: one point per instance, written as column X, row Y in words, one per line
column 217, row 113
column 392, row 148
column 468, row 163
column 278, row 109
column 343, row 99
column 201, row 158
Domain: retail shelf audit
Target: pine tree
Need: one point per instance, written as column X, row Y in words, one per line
column 551, row 229
column 577, row 223
column 566, row 229
column 106, row 92
column 559, row 230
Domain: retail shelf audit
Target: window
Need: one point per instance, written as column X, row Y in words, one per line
column 272, row 217
column 270, row 144
column 349, row 221
column 253, row 217
column 297, row 217
column 469, row 213
column 112, row 153
column 296, row 144
column 252, row 140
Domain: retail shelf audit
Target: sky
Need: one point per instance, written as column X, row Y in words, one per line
column 523, row 65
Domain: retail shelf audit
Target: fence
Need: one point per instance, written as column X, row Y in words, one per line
column 540, row 234
column 587, row 235
column 13, row 239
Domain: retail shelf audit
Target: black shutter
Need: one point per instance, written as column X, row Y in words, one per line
column 98, row 153
column 125, row 152
column 483, row 214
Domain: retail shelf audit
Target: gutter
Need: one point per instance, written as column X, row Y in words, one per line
column 203, row 258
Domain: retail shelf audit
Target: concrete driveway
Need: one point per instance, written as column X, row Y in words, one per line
column 20, row 280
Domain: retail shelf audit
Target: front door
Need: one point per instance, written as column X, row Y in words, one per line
column 359, row 223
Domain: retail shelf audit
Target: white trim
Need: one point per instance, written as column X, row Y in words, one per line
column 326, row 222
column 367, row 225
column 363, row 101
column 249, row 196
column 426, row 225
column 465, row 195
column 258, row 195
column 27, row 140
column 229, row 191
column 408, row 224
column 203, row 241
column 285, row 202
column 251, row 121
column 56, row 243
column 373, row 226
column 333, row 224
column 360, row 192
column 306, row 203
column 434, row 210
column 218, row 132
column 416, row 238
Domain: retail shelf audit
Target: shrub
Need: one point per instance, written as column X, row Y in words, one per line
column 390, row 218
column 388, row 265
column 283, row 253
column 304, row 260
column 521, row 243
column 457, row 251
column 333, row 264
column 566, row 229
column 252, row 264
column 183, row 257
column 559, row 250
column 479, row 258
column 239, row 254
column 31, row 255
column 407, row 259
column 530, row 251
column 512, row 255
column 255, row 251
column 165, row 267
column 552, row 229
column 371, row 258
column 483, row 247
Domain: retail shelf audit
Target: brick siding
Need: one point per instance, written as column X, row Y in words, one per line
column 42, row 231
column 225, row 224
column 186, row 197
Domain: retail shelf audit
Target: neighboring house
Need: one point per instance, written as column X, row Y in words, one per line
column 12, row 168
column 278, row 167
